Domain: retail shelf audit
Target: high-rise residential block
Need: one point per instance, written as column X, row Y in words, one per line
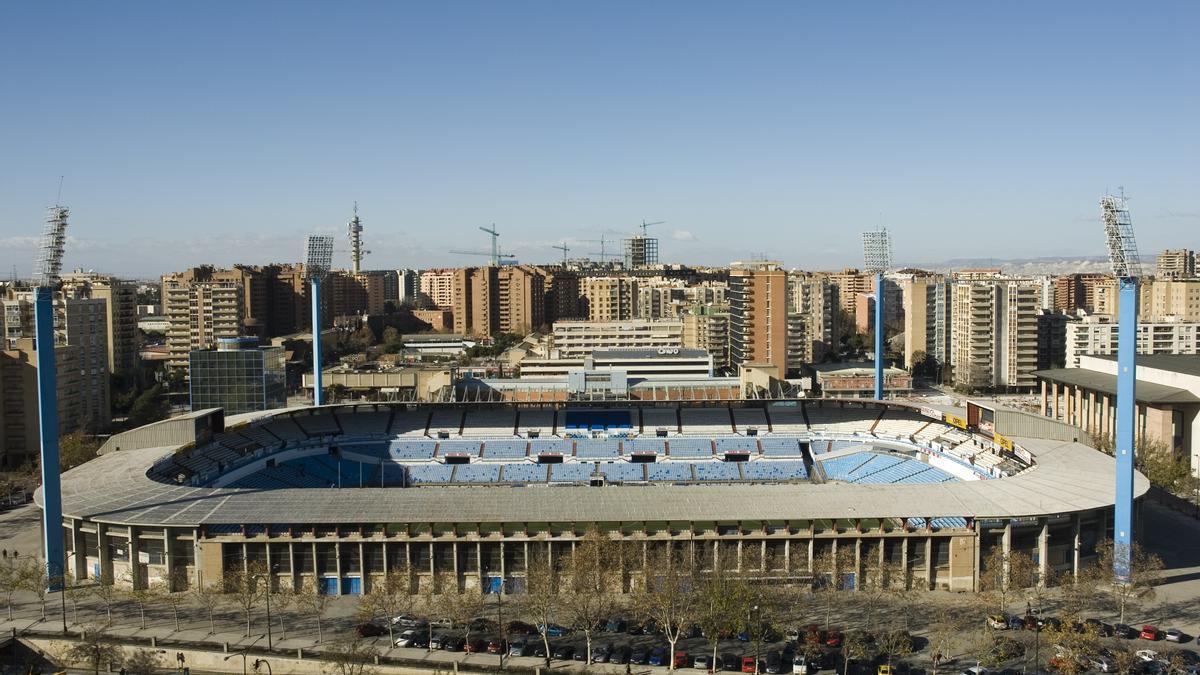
column 926, row 307
column 1177, row 264
column 200, row 308
column 435, row 288
column 1096, row 335
column 609, row 298
column 492, row 300
column 120, row 299
column 994, row 333
column 19, row 439
column 707, row 327
column 758, row 312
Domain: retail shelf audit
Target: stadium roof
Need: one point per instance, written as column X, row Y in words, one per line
column 1185, row 364
column 114, row 488
column 1147, row 392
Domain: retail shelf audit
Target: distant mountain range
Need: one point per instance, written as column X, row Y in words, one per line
column 1031, row 266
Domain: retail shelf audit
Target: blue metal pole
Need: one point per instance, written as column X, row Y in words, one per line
column 318, row 390
column 879, row 336
column 1126, row 423
column 47, row 371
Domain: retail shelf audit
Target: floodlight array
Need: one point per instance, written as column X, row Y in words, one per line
column 877, row 251
column 1118, row 230
column 48, row 267
column 318, row 255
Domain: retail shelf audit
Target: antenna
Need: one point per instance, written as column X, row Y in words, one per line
column 495, row 243
column 58, row 200
column 48, row 266
column 1118, row 231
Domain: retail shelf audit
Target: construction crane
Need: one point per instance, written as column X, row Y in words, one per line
column 1127, row 267
column 877, row 258
column 646, row 225
column 495, row 243
column 495, row 256
column 564, row 248
column 602, row 241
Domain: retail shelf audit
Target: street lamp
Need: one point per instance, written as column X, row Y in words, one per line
column 241, row 654
column 263, row 662
column 268, row 577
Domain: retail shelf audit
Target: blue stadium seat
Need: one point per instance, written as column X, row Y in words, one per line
column 571, row 472
column 524, row 472
column 476, row 473
column 417, row 450
column 780, row 446
column 691, row 447
column 456, row 447
column 717, row 471
column 777, row 469
column 737, row 444
column 669, row 471
column 505, row 449
column 623, row 472
column 597, row 448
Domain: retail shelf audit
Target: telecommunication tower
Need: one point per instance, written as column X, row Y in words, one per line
column 355, row 228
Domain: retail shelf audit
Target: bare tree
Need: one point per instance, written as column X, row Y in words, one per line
column 349, row 656
column 1077, row 645
column 666, row 595
column 11, row 581
column 246, row 588
column 162, row 591
column 282, row 600
column 828, row 568
column 390, row 597
column 312, row 600
column 141, row 662
column 1145, row 568
column 208, row 596
column 93, row 650
column 856, row 645
column 107, row 593
column 543, row 591
column 36, row 580
column 75, row 592
column 593, row 579
column 461, row 606
column 950, row 623
column 1004, row 574
column 721, row 602
column 140, row 596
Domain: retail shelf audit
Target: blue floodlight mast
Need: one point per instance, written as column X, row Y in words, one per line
column 877, row 254
column 318, row 251
column 1126, row 266
column 46, row 277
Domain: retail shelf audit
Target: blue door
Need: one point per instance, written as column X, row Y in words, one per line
column 492, row 585
column 329, row 586
column 848, row 581
column 96, row 566
column 352, row 586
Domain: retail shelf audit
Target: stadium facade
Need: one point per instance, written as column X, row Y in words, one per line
column 340, row 495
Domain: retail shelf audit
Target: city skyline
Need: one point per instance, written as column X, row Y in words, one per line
column 190, row 137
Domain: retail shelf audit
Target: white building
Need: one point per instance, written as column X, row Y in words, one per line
column 1096, row 334
column 577, row 339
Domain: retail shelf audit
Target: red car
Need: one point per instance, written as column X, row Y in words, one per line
column 497, row 646
column 748, row 664
column 1150, row 633
column 833, row 638
column 681, row 660
column 476, row 646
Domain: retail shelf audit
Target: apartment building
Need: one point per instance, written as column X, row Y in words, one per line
column 1096, row 334
column 1073, row 292
column 758, row 312
column 82, row 325
column 121, row 309
column 608, row 298
column 850, row 282
column 200, row 308
column 994, row 337
column 1178, row 264
column 578, row 339
column 707, row 327
column 435, row 288
column 19, row 439
column 492, row 300
column 926, row 302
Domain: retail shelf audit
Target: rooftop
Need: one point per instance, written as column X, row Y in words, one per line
column 1185, row 364
column 1147, row 392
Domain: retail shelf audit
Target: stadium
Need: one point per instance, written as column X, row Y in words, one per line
column 341, row 494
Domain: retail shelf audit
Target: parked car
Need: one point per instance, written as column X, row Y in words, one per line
column 1174, row 635
column 800, row 665
column 620, row 654
column 749, row 665
column 1015, row 623
column 564, row 652
column 476, row 646
column 443, row 622
column 774, row 663
column 658, row 657
column 730, row 662
column 519, row 648
column 833, row 638
column 1150, row 633
column 497, row 646
column 438, row 641
column 1102, row 629
column 639, row 656
column 1102, row 663
column 1124, row 631
column 554, row 630
column 997, row 622
column 615, row 626
column 405, row 639
column 482, row 625
column 370, row 630
column 455, row 644
column 409, row 621
column 601, row 653
column 420, row 640
column 702, row 662
column 681, row 660
column 1147, row 654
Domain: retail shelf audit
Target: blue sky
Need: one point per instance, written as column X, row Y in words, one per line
column 222, row 132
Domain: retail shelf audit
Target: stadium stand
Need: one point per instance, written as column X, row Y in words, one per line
column 446, row 420
column 424, row 474
column 361, row 423
column 788, row 420
column 457, row 446
column 750, row 417
column 736, row 444
column 320, row 466
column 717, row 471
column 597, row 448
column 775, row 470
column 689, row 447
column 875, row 464
column 669, row 471
column 408, row 423
column 650, row 444
column 654, row 418
column 525, row 472
column 779, row 446
column 597, row 420
column 623, row 472
column 836, row 420
column 259, row 435
column 900, row 424
column 839, row 468
column 835, row 446
column 539, row 446
column 476, row 473
column 320, row 423
column 505, row 449
column 538, row 420
column 571, row 473
column 706, row 421
column 285, row 428
column 490, row 423
column 412, row 450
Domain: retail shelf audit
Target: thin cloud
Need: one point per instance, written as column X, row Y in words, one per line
column 683, row 235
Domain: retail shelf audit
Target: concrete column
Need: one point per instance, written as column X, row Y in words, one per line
column 762, row 555
column 1043, row 551
column 479, row 563
column 787, row 556
column 454, row 552
column 1076, row 527
column 503, row 571
column 812, row 545
column 106, row 568
column 337, row 559
column 858, row 569
column 270, row 569
column 1057, row 413
column 78, row 545
column 1006, row 546
column 929, row 562
column 1078, row 420
column 169, row 558
column 1044, row 399
column 740, row 555
column 362, row 566
column 904, row 559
